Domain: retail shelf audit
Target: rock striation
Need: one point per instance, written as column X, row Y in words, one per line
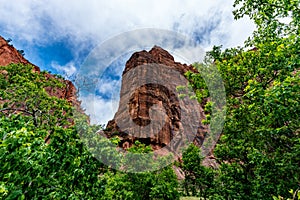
column 144, row 102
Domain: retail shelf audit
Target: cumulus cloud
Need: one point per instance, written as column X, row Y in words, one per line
column 107, row 86
column 99, row 20
column 67, row 70
column 99, row 109
column 93, row 21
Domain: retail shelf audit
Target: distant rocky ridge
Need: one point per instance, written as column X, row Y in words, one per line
column 9, row 55
column 148, row 95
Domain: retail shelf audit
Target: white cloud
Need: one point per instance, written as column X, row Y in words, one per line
column 67, row 70
column 99, row 109
column 100, row 20
column 108, row 86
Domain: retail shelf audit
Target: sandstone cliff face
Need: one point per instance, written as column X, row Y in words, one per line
column 150, row 110
column 8, row 55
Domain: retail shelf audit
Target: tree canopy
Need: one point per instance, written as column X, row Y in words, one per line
column 258, row 152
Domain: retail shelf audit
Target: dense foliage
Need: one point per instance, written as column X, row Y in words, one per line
column 30, row 167
column 259, row 150
column 42, row 155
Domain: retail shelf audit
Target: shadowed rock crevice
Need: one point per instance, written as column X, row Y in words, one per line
column 140, row 105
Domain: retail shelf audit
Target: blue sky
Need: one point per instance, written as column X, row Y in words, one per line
column 59, row 35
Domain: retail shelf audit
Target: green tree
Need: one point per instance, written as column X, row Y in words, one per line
column 41, row 154
column 161, row 184
column 258, row 151
column 199, row 180
column 273, row 19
